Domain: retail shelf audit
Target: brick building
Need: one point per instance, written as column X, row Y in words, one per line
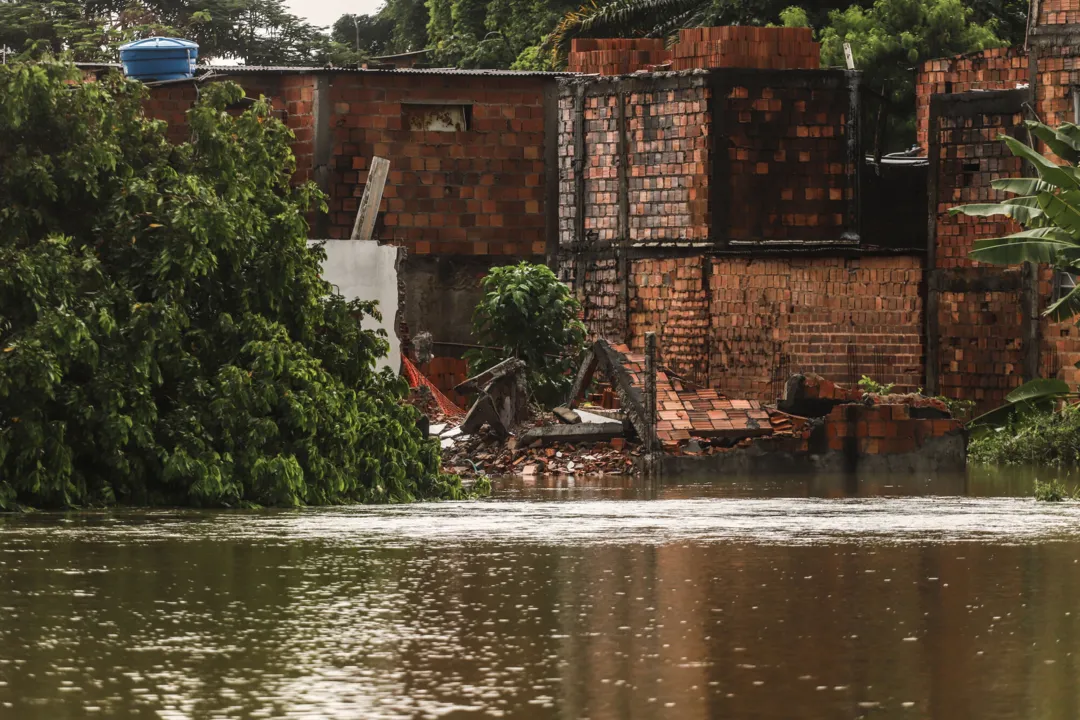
column 984, row 333
column 466, row 190
column 726, row 208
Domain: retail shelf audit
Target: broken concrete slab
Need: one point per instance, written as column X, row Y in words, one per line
column 585, row 432
column 480, row 382
column 483, row 412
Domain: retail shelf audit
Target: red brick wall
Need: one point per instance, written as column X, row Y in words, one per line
column 1059, row 12
column 602, row 168
column 971, row 157
column 750, row 323
column 839, row 318
column 171, row 103
column 476, row 192
column 669, row 163
column 981, row 349
column 668, row 297
column 997, row 69
column 788, row 163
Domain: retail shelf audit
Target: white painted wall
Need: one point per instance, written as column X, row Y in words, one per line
column 364, row 269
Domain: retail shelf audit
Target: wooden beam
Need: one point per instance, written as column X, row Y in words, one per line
column 364, row 226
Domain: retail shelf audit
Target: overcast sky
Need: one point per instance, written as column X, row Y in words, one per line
column 325, row 12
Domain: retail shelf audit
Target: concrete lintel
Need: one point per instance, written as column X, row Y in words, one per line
column 585, row 432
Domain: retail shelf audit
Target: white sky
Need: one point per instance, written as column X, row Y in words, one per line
column 326, row 12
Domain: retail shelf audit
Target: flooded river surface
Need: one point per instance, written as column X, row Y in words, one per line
column 829, row 598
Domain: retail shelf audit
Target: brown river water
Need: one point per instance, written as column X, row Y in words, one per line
column 906, row 597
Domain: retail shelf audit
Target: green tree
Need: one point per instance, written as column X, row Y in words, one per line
column 165, row 336
column 892, row 38
column 257, row 32
column 526, row 313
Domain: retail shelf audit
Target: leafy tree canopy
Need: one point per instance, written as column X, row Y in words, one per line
column 892, row 37
column 257, row 32
column 165, row 336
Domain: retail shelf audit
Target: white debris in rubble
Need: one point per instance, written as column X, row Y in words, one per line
column 588, row 417
column 437, row 429
column 452, row 433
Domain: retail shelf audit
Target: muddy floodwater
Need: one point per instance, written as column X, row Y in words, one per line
column 911, row 597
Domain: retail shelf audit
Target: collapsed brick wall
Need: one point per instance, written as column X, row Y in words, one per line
column 839, row 318
column 477, row 191
column 996, row 69
column 669, row 297
column 744, row 325
column 791, row 176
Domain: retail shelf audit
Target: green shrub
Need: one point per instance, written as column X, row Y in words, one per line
column 869, row 385
column 526, row 313
column 165, row 336
column 1053, row 491
column 1038, row 437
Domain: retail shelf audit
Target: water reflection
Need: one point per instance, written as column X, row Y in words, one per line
column 713, row 602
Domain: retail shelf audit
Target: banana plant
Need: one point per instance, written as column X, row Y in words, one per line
column 1048, row 207
column 1036, row 396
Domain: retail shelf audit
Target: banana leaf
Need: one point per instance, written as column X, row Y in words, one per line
column 1025, row 210
column 1061, row 144
column 1041, row 245
column 1021, row 186
column 1039, row 395
column 1063, row 210
column 1056, row 175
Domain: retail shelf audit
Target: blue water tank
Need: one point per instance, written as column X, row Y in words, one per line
column 159, row 58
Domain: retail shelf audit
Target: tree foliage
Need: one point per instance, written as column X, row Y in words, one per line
column 165, row 336
column 526, row 313
column 257, row 32
column 891, row 38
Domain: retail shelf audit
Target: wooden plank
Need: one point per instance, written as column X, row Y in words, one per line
column 369, row 204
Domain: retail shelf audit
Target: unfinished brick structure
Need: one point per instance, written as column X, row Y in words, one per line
column 985, row 334
column 471, row 178
column 721, row 210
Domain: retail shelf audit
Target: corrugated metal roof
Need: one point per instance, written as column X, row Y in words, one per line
column 252, row 69
column 284, row 69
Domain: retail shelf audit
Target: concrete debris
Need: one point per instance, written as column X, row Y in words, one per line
column 566, row 415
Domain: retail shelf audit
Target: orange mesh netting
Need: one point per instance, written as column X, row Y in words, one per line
column 416, row 379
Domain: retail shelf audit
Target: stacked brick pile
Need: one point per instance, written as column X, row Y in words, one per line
column 616, row 56
column 996, row 69
column 746, row 47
